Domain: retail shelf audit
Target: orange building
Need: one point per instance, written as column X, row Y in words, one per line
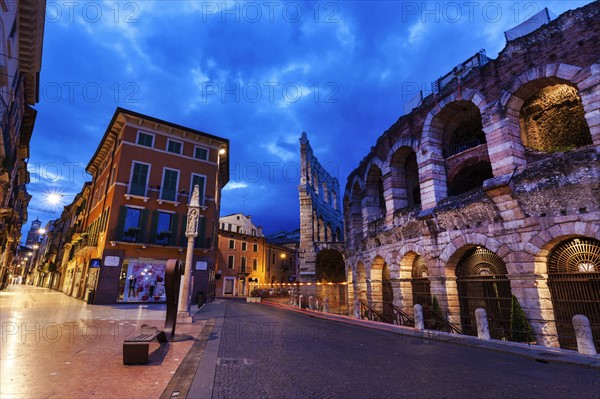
column 246, row 260
column 135, row 214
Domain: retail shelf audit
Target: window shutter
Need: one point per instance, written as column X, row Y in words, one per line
column 143, row 225
column 120, row 223
column 182, row 238
column 201, row 240
column 173, row 228
column 153, row 226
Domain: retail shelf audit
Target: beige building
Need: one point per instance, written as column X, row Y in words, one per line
column 21, row 40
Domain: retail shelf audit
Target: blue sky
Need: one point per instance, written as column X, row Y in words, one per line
column 258, row 73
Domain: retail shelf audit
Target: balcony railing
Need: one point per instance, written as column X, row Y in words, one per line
column 464, row 146
column 168, row 195
column 137, row 189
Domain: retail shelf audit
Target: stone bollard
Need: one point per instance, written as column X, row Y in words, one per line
column 357, row 308
column 326, row 305
column 311, row 302
column 583, row 332
column 291, row 301
column 295, row 303
column 300, row 301
column 419, row 322
column 483, row 330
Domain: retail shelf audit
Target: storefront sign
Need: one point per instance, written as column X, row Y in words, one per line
column 95, row 263
column 111, row 261
column 201, row 265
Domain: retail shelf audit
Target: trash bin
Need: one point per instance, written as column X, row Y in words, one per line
column 201, row 298
column 90, row 296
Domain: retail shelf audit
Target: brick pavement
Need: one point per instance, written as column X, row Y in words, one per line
column 54, row 346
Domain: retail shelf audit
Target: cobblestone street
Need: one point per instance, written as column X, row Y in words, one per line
column 268, row 352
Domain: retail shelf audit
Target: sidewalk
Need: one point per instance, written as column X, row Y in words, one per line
column 538, row 353
column 54, row 346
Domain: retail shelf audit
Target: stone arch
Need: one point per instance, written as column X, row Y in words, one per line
column 452, row 252
column 431, row 128
column 539, row 246
column 374, row 283
column 360, row 281
column 330, row 266
column 458, row 108
column 353, row 213
column 540, row 300
column 545, row 81
column 482, row 282
column 402, row 181
column 373, row 200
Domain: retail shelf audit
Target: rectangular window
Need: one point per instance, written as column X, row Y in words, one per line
column 131, row 228
column 164, row 233
column 230, row 262
column 222, row 226
column 244, row 246
column 229, row 226
column 201, row 153
column 201, row 182
column 253, row 232
column 255, row 248
column 243, row 264
column 169, row 184
column 164, row 223
column 139, row 178
column 174, row 146
column 113, row 175
column 255, row 264
column 231, row 244
column 273, row 260
column 145, row 139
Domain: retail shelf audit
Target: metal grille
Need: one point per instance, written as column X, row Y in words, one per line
column 420, row 283
column 574, row 282
column 482, row 283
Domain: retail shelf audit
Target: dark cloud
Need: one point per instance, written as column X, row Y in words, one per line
column 354, row 62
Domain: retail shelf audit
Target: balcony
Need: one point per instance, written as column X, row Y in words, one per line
column 135, row 190
column 169, row 196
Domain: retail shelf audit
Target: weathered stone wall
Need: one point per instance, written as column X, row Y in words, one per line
column 321, row 220
column 530, row 205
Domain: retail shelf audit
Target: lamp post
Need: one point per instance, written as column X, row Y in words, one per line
column 191, row 232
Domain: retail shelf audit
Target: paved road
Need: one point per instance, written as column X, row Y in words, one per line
column 266, row 352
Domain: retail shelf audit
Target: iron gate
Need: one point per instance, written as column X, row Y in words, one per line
column 491, row 293
column 574, row 283
column 420, row 283
column 482, row 283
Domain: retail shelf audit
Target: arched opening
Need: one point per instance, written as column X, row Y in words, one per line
column 374, row 186
column 482, row 282
column 387, row 292
column 405, row 178
column 330, row 266
column 464, row 147
column 353, row 214
column 574, row 283
column 375, row 286
column 552, row 119
column 471, row 175
column 360, row 284
column 421, row 290
column 338, row 235
column 411, row 173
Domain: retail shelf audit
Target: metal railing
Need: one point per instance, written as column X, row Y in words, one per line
column 434, row 321
column 399, row 317
column 369, row 313
column 464, row 146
